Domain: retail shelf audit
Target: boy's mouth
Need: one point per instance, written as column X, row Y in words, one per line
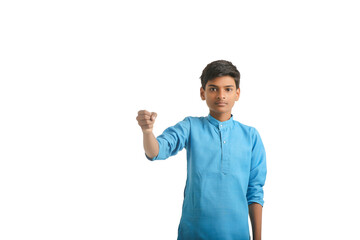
column 220, row 103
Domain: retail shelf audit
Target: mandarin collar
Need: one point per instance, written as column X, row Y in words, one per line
column 218, row 124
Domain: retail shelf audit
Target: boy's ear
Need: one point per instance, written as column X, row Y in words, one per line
column 202, row 93
column 237, row 94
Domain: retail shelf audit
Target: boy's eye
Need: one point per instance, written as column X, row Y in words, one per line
column 229, row 89
column 212, row 89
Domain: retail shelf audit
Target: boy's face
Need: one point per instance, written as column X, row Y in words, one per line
column 220, row 95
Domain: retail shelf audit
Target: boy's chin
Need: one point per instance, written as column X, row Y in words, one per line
column 219, row 110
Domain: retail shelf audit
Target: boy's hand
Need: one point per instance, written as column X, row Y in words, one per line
column 146, row 120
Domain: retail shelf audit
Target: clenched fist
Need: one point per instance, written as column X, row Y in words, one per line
column 146, row 120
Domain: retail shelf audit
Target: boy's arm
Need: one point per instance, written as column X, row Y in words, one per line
column 146, row 121
column 151, row 145
column 255, row 212
column 169, row 143
column 257, row 178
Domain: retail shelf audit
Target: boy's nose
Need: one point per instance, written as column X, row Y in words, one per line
column 221, row 95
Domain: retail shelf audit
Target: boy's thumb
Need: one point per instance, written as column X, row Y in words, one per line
column 153, row 116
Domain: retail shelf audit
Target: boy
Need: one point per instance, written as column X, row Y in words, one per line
column 226, row 162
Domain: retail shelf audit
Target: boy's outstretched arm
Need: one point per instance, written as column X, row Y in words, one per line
column 146, row 121
column 255, row 212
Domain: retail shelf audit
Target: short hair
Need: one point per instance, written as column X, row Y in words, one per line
column 219, row 68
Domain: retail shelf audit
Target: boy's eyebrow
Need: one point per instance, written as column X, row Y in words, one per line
column 212, row 85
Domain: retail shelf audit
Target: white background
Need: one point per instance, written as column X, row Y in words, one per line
column 74, row 74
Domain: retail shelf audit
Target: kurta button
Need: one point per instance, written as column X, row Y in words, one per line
column 224, row 141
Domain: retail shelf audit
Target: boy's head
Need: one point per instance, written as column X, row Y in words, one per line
column 220, row 82
column 220, row 68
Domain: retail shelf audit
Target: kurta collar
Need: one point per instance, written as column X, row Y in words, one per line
column 218, row 124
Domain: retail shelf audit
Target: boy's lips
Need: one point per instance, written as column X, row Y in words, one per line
column 221, row 103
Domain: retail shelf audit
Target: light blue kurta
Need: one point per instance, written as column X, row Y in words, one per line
column 226, row 171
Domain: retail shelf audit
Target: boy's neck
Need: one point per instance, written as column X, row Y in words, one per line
column 222, row 117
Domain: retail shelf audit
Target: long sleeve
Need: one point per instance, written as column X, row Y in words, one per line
column 173, row 140
column 258, row 170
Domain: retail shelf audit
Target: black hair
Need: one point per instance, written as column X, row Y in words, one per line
column 219, row 68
